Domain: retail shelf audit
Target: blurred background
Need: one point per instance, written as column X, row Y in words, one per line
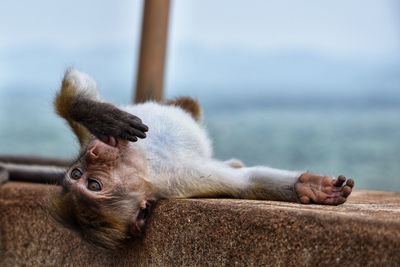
column 299, row 84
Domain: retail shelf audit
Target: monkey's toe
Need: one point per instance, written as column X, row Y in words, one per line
column 340, row 180
column 350, row 183
column 346, row 191
column 304, row 200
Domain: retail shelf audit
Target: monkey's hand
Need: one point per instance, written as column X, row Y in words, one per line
column 103, row 120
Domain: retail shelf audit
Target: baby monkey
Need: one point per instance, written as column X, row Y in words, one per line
column 109, row 190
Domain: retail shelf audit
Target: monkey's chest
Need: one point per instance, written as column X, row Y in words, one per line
column 173, row 135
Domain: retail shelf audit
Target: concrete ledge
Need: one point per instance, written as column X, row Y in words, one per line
column 213, row 232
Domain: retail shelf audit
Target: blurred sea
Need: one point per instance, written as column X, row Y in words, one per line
column 360, row 140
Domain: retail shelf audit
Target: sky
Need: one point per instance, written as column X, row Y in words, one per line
column 208, row 41
column 340, row 26
column 349, row 26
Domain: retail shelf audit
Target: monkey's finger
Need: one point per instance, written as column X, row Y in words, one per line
column 134, row 118
column 132, row 139
column 102, row 137
column 139, row 126
column 135, row 132
column 128, row 137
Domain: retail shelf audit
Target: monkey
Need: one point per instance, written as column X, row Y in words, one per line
column 130, row 157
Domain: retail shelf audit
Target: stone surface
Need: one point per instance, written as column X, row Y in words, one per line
column 212, row 232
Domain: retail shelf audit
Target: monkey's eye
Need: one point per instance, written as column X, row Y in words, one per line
column 93, row 185
column 76, row 174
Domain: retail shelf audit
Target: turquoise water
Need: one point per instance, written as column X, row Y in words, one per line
column 362, row 143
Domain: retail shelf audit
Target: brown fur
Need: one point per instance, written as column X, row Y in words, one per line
column 108, row 221
column 109, row 218
column 63, row 103
column 103, row 223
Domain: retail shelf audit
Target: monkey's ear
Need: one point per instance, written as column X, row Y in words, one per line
column 140, row 220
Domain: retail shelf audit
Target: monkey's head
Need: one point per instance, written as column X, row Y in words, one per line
column 106, row 197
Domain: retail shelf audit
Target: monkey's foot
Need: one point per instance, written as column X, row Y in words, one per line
column 234, row 163
column 311, row 188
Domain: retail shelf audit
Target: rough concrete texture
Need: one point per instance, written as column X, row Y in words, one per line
column 213, row 232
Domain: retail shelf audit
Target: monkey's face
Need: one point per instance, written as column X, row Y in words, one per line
column 108, row 192
column 95, row 173
column 101, row 168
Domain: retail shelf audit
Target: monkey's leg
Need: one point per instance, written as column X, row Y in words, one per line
column 188, row 104
column 217, row 179
column 299, row 187
column 77, row 102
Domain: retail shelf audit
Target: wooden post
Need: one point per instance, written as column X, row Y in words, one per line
column 149, row 84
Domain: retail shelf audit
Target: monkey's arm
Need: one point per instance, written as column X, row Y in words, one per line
column 77, row 102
